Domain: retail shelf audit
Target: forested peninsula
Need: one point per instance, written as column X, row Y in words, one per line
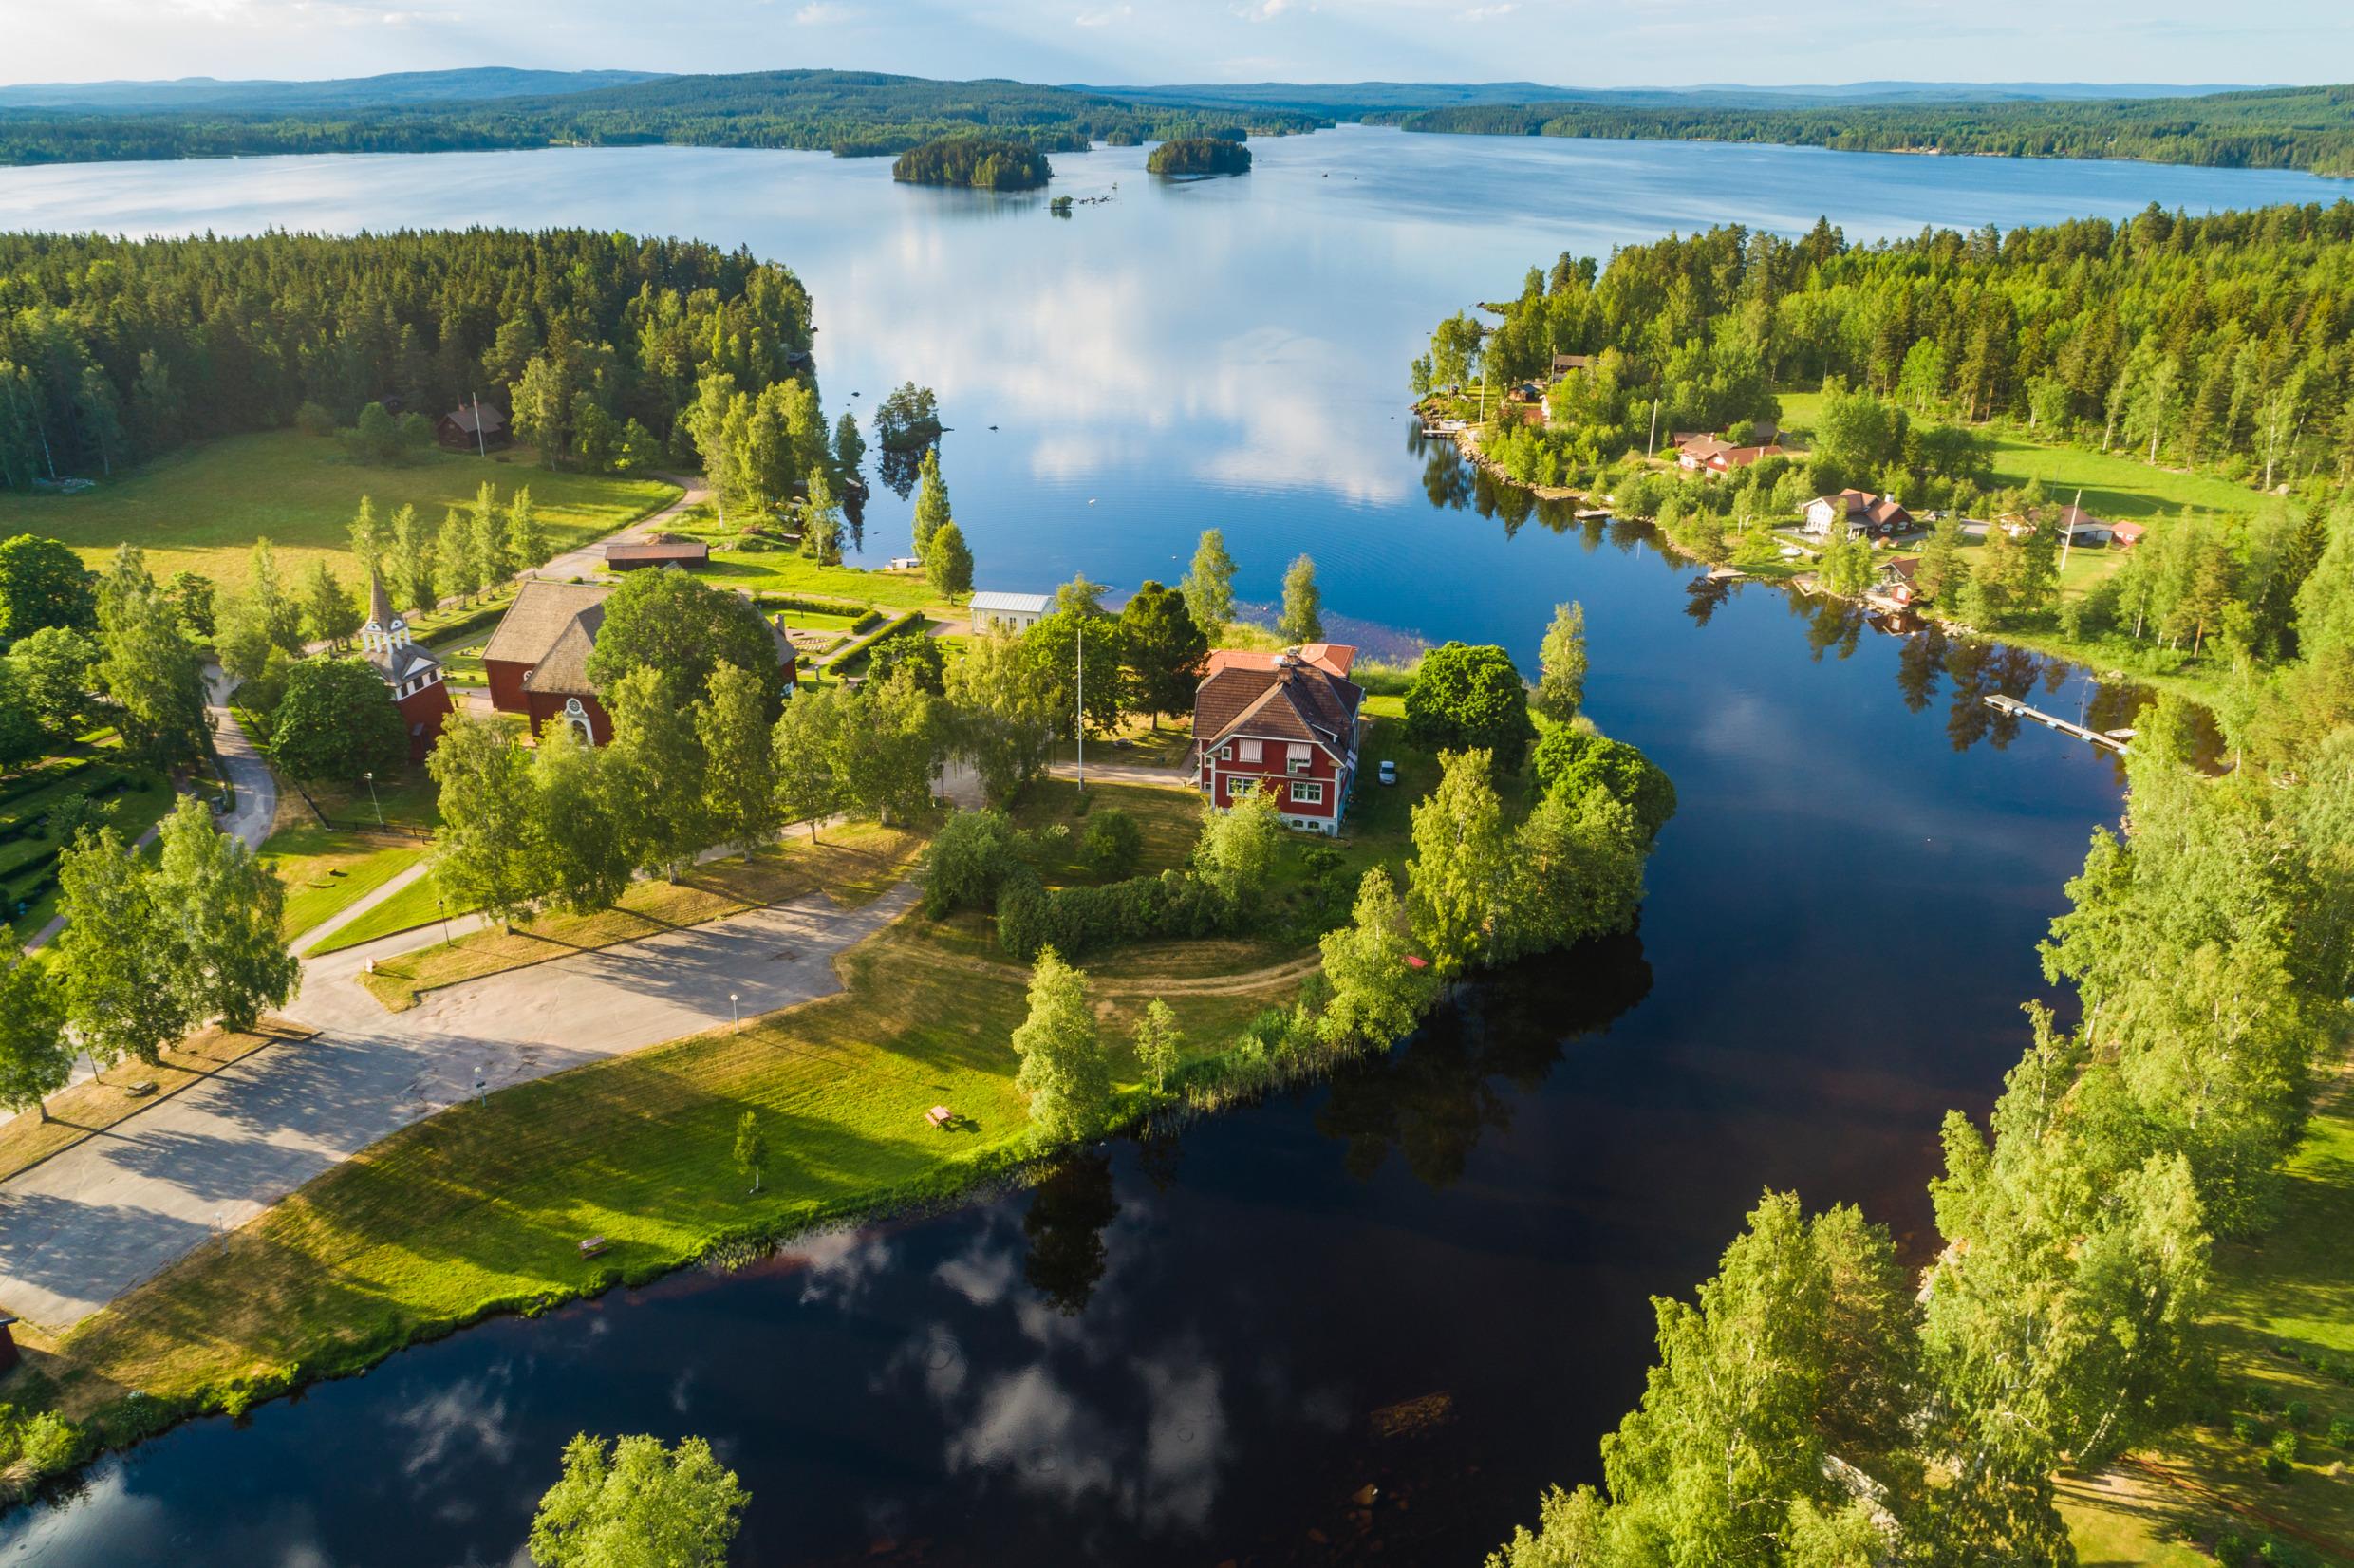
column 1195, row 155
column 2278, row 128
column 1827, row 1397
column 2156, row 349
column 848, row 113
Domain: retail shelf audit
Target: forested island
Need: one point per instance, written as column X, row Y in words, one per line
column 113, row 351
column 2277, row 128
column 1195, row 155
column 983, row 162
column 848, row 113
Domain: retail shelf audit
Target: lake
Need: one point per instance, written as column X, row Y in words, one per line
column 1431, row 1275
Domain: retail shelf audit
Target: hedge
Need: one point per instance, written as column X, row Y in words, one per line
column 1071, row 920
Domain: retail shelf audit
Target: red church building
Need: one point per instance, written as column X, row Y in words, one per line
column 537, row 660
column 412, row 674
column 1282, row 721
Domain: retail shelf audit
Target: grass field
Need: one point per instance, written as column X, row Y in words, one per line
column 2291, row 1291
column 200, row 510
column 328, row 872
column 482, row 1207
column 787, row 572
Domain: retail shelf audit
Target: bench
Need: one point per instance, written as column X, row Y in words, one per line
column 592, row 1245
column 939, row 1116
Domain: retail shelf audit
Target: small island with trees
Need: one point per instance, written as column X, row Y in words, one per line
column 983, row 162
column 1198, row 157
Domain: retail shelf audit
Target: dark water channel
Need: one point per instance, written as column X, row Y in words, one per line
column 1432, row 1274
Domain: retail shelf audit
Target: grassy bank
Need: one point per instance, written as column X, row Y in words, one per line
column 482, row 1208
column 2283, row 1322
column 199, row 510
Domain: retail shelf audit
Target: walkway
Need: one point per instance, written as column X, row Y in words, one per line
column 255, row 806
column 88, row 1224
column 1109, row 772
column 589, row 559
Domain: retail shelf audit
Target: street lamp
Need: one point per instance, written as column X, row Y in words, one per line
column 441, row 902
column 731, row 1015
column 480, row 1081
column 372, row 800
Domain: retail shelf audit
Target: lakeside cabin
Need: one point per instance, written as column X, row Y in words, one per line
column 1014, row 612
column 1565, row 365
column 1287, row 723
column 1857, row 513
column 1713, row 454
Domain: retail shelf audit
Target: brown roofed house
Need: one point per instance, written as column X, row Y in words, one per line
column 1286, row 722
column 658, row 549
column 472, row 427
column 537, row 660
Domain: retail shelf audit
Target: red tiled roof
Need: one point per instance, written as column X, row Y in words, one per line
column 1278, row 697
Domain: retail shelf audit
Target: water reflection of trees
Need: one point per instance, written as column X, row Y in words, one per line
column 898, row 468
column 1457, row 1078
column 1064, row 1227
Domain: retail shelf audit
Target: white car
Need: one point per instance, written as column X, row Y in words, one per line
column 1389, row 773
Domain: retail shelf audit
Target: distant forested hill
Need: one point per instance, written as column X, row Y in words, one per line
column 1352, row 100
column 2274, row 128
column 352, row 92
column 844, row 112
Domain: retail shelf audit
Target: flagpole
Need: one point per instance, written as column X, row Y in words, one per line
column 1080, row 727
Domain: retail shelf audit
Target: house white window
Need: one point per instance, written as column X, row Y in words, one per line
column 1225, row 753
column 1253, row 751
column 1238, row 788
column 1308, row 795
column 1299, row 755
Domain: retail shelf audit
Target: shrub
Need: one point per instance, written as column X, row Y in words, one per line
column 968, row 861
column 2299, row 1414
column 2278, row 1470
column 313, row 420
column 2234, row 1550
column 2249, row 1430
column 2284, row 1445
column 1075, row 920
column 2341, row 1432
column 1113, row 844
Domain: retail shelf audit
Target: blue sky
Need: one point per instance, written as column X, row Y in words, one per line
column 1588, row 43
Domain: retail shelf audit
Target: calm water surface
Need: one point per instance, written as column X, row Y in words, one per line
column 1431, row 1275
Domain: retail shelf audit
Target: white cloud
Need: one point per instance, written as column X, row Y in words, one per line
column 1103, row 18
column 821, row 13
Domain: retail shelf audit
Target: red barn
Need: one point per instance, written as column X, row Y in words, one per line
column 412, row 674
column 537, row 660
column 1282, row 721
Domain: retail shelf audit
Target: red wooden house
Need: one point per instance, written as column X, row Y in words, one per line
column 412, row 674
column 537, row 663
column 1282, row 721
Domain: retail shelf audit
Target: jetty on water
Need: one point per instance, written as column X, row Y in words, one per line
column 2002, row 703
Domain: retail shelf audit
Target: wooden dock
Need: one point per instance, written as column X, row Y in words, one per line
column 2003, row 703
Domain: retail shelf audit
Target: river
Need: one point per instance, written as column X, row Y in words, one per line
column 1430, row 1277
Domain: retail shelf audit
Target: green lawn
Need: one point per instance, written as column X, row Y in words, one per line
column 788, row 571
column 2292, row 1291
column 482, row 1207
column 200, row 509
column 419, row 903
column 328, row 872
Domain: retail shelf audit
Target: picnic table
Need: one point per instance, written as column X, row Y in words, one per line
column 591, row 1247
column 939, row 1116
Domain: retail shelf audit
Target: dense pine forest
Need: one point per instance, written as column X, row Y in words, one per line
column 1199, row 155
column 2277, row 128
column 848, row 113
column 112, row 351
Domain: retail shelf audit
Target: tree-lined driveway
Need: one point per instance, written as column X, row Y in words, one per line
column 85, row 1227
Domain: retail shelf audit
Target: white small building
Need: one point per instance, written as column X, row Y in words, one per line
column 1014, row 612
